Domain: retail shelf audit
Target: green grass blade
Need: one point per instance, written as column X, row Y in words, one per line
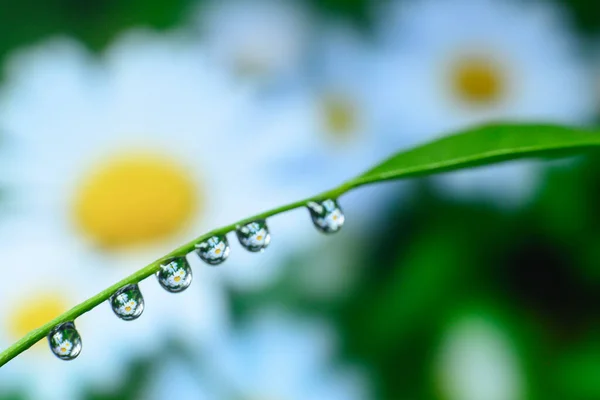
column 489, row 144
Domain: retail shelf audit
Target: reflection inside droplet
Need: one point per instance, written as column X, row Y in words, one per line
column 128, row 302
column 327, row 216
column 254, row 236
column 65, row 341
column 175, row 275
column 214, row 250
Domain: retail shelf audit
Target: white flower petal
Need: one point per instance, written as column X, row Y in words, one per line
column 542, row 76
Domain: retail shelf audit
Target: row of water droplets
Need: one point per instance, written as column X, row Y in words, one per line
column 175, row 274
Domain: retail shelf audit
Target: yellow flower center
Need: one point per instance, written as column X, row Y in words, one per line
column 177, row 278
column 339, row 116
column 218, row 251
column 33, row 311
column 128, row 308
column 134, row 199
column 477, row 80
column 259, row 237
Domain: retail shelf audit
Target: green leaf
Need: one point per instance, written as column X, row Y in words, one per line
column 483, row 145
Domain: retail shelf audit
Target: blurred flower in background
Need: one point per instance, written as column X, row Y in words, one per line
column 54, row 279
column 133, row 143
column 129, row 129
column 477, row 361
column 135, row 174
column 456, row 63
column 144, row 129
column 331, row 128
column 263, row 41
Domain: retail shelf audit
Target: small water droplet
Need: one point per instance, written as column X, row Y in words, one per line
column 254, row 236
column 128, row 302
column 64, row 341
column 214, row 250
column 326, row 215
column 175, row 275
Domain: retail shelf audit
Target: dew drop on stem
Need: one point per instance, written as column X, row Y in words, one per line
column 213, row 250
column 254, row 236
column 175, row 275
column 128, row 302
column 65, row 341
column 327, row 216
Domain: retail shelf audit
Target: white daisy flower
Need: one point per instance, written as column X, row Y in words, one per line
column 55, row 281
column 331, row 130
column 65, row 347
column 163, row 160
column 263, row 40
column 135, row 142
column 254, row 235
column 478, row 360
column 327, row 215
column 128, row 308
column 449, row 64
column 177, row 277
column 217, row 250
column 335, row 219
column 144, row 148
column 333, row 123
column 126, row 159
column 298, row 352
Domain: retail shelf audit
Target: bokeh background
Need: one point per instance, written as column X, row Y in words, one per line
column 130, row 127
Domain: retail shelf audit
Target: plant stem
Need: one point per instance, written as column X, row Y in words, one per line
column 38, row 334
column 478, row 146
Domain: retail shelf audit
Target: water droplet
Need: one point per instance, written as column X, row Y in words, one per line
column 175, row 275
column 128, row 302
column 326, row 215
column 64, row 341
column 254, row 236
column 214, row 250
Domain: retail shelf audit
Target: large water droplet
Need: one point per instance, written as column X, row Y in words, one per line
column 128, row 302
column 175, row 275
column 214, row 250
column 64, row 341
column 254, row 236
column 326, row 215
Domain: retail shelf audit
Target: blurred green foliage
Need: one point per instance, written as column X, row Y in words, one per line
column 95, row 23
